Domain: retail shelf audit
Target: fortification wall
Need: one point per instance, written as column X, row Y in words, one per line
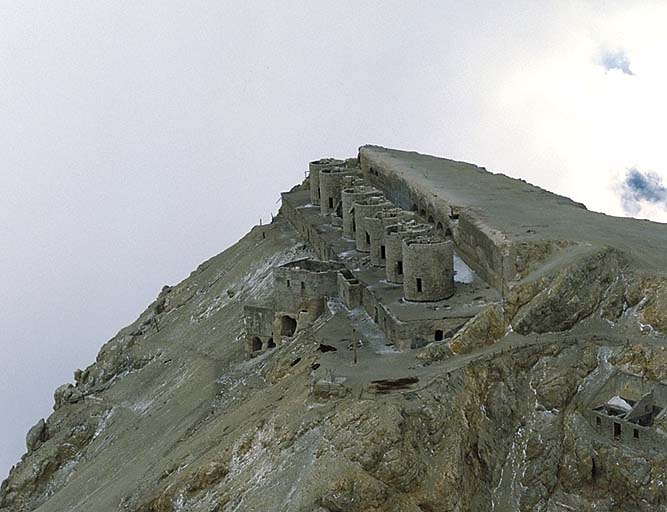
column 308, row 232
column 391, row 327
column 481, row 252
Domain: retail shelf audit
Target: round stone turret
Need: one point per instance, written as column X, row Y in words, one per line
column 331, row 184
column 349, row 196
column 376, row 226
column 428, row 263
column 314, row 173
column 393, row 237
column 364, row 209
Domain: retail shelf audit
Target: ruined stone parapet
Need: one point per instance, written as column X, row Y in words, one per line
column 349, row 196
column 349, row 289
column 331, row 185
column 376, row 226
column 428, row 264
column 364, row 209
column 304, row 285
column 314, row 173
column 394, row 236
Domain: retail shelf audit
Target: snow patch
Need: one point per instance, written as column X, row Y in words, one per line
column 462, row 272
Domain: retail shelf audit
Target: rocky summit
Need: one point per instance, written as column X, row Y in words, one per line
column 410, row 333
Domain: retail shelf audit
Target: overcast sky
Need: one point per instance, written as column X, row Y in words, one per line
column 138, row 139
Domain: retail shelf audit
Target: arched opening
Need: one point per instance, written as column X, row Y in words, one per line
column 439, row 335
column 270, row 343
column 255, row 344
column 431, row 219
column 287, row 326
column 414, row 207
column 440, row 227
column 448, row 233
column 422, row 212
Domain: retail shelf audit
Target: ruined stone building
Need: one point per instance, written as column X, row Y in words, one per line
column 628, row 408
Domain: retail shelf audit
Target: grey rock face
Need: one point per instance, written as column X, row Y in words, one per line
column 36, row 435
column 172, row 416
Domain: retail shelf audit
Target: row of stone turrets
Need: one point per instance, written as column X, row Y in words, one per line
column 412, row 251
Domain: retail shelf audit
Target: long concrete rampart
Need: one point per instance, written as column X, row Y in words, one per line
column 486, row 251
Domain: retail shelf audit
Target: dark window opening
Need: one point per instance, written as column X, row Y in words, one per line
column 375, row 318
column 354, row 226
column 414, row 208
column 440, row 227
column 303, row 286
column 383, row 252
column 331, row 202
column 287, row 326
column 422, row 213
column 289, row 284
column 368, row 238
column 419, row 284
column 439, row 335
column 431, row 219
column 270, row 343
column 255, row 344
column 635, row 433
column 598, row 421
column 399, row 268
column 617, row 430
column 448, row 233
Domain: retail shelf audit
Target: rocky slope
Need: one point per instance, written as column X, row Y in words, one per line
column 172, row 417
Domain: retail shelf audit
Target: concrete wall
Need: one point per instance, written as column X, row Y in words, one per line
column 481, row 252
column 428, row 263
column 314, row 176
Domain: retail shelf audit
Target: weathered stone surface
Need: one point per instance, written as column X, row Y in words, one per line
column 483, row 330
column 36, row 435
column 576, row 292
